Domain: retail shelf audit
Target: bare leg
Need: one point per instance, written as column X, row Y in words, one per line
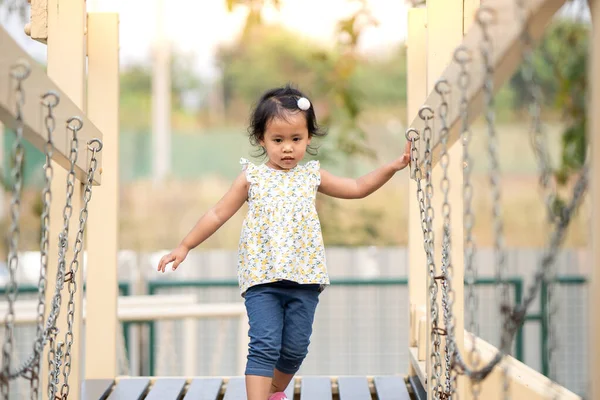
column 257, row 387
column 280, row 381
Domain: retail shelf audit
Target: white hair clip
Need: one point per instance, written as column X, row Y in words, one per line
column 303, row 103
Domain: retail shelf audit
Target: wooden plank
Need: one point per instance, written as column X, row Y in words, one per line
column 418, row 366
column 166, row 389
column 417, row 389
column 315, row 388
column 236, row 389
column 96, row 389
column 391, row 388
column 34, row 87
column 130, row 389
column 204, row 389
column 353, row 388
column 505, row 36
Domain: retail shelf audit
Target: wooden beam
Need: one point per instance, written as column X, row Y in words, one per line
column 525, row 382
column 505, row 37
column 102, row 240
column 34, row 87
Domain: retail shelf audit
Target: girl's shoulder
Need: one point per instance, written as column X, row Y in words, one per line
column 313, row 166
column 250, row 169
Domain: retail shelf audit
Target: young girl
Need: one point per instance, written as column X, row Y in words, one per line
column 281, row 263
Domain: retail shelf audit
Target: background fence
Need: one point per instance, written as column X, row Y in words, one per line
column 361, row 326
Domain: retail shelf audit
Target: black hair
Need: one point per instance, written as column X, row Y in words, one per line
column 275, row 103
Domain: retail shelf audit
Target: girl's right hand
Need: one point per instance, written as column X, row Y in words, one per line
column 176, row 257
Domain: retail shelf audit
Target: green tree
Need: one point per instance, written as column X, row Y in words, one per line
column 254, row 17
column 560, row 69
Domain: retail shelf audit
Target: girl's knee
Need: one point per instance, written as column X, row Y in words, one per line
column 291, row 358
column 261, row 359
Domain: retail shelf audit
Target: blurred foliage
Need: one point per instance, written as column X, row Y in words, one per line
column 345, row 86
column 560, row 69
column 136, row 91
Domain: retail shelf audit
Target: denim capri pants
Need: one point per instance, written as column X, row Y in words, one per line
column 281, row 316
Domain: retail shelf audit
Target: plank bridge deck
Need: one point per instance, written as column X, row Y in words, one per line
column 233, row 388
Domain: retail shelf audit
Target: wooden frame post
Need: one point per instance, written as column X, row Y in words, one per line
column 416, row 59
column 102, row 232
column 66, row 67
column 593, row 127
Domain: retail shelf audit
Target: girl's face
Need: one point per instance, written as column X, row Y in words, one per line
column 286, row 140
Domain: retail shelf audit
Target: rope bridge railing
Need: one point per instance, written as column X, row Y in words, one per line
column 502, row 37
column 35, row 109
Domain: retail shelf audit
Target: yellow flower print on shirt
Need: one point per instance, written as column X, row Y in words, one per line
column 281, row 235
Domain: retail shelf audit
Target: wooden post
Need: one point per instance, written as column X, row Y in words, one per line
column 102, row 231
column 66, row 67
column 594, row 245
column 416, row 59
column 444, row 33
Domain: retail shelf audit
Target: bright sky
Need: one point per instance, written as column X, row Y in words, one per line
column 200, row 26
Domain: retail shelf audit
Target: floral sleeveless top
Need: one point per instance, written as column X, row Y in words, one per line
column 281, row 235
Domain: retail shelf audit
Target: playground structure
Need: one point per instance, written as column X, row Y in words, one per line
column 459, row 54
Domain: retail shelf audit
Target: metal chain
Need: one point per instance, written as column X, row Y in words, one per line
column 538, row 143
column 50, row 332
column 54, row 366
column 426, row 114
column 19, row 73
column 50, row 100
column 55, row 359
column 463, row 57
column 83, row 215
column 485, row 18
column 443, row 89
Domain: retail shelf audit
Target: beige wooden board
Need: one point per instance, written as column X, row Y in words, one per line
column 37, row 84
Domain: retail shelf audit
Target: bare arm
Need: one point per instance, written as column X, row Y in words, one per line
column 347, row 188
column 210, row 222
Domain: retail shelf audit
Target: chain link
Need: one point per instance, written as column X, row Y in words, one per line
column 443, row 89
column 50, row 100
column 426, row 114
column 485, row 18
column 19, row 73
column 63, row 247
column 463, row 57
column 83, row 215
column 547, row 183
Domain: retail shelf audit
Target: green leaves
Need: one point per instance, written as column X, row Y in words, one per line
column 560, row 70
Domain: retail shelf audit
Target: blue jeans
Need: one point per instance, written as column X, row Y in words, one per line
column 280, row 316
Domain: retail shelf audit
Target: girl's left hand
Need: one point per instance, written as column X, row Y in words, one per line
column 403, row 161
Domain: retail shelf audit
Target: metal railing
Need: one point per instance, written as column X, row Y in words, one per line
column 153, row 287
